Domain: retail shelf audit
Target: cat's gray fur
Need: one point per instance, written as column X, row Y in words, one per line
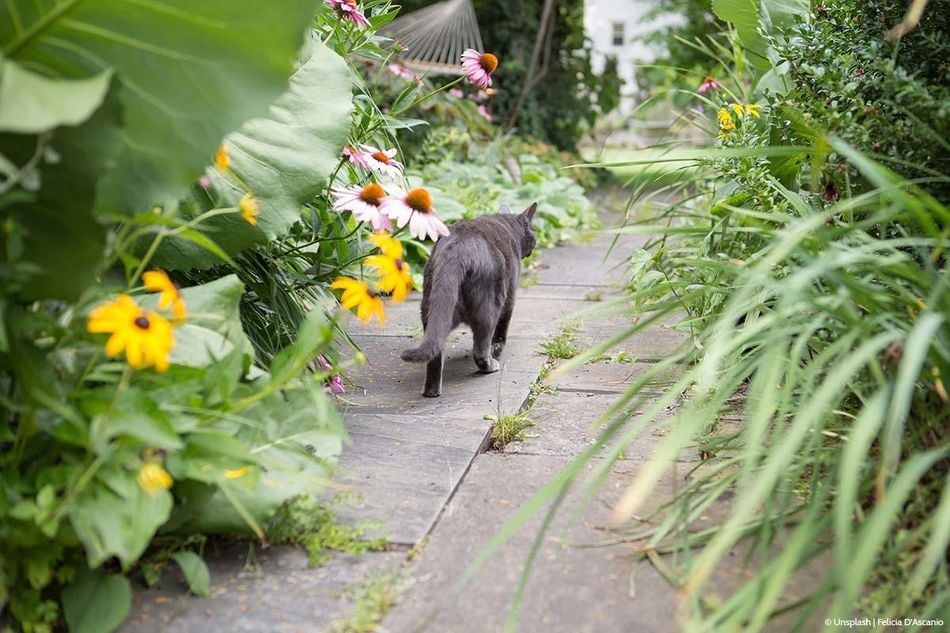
column 471, row 277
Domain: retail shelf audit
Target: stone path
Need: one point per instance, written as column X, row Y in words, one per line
column 420, row 468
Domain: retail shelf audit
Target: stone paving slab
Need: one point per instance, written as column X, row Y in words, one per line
column 564, row 426
column 281, row 594
column 611, row 377
column 387, row 384
column 571, row 589
column 403, row 468
column 582, row 581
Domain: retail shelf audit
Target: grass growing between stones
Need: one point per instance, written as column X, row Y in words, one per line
column 510, row 428
column 302, row 521
column 373, row 598
column 564, row 344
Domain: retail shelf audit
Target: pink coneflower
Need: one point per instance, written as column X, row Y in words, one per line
column 349, row 11
column 401, row 71
column 482, row 110
column 365, row 203
column 355, row 156
column 335, row 385
column 382, row 160
column 456, row 92
column 478, row 67
column 414, row 207
column 709, row 84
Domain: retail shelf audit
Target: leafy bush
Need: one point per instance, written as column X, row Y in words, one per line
column 168, row 428
column 813, row 387
column 489, row 176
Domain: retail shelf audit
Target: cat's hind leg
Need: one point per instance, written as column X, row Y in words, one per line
column 433, row 388
column 483, row 329
column 500, row 336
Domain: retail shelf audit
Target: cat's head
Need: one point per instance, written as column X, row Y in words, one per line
column 523, row 222
column 528, row 240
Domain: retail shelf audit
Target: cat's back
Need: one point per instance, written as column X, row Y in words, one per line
column 480, row 241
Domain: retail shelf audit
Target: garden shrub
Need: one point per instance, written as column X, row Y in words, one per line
column 805, row 257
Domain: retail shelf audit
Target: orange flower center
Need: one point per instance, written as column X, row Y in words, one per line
column 419, row 200
column 381, row 157
column 142, row 323
column 489, row 62
column 372, row 194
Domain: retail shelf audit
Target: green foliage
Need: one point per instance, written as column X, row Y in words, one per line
column 509, row 428
column 160, row 54
column 478, row 182
column 285, row 159
column 888, row 98
column 562, row 345
column 100, row 453
column 564, row 91
column 302, row 521
column 814, row 380
column 373, row 598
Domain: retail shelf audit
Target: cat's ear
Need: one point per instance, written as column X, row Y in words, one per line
column 529, row 212
column 504, row 208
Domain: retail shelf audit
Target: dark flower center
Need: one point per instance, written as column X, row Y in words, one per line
column 489, row 62
column 142, row 323
column 419, row 200
column 372, row 194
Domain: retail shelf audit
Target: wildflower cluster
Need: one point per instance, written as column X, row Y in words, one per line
column 379, row 199
column 144, row 336
column 725, row 118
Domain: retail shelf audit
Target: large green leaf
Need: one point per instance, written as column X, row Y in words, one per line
column 295, row 434
column 285, row 159
column 190, row 73
column 62, row 240
column 31, row 103
column 213, row 328
column 114, row 516
column 745, row 15
column 96, row 603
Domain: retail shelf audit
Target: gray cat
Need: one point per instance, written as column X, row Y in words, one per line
column 471, row 278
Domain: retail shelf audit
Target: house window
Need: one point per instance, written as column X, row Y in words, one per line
column 617, row 29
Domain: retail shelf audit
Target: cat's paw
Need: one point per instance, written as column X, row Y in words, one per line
column 432, row 393
column 489, row 366
column 497, row 349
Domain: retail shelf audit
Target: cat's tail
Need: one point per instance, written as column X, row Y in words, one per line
column 444, row 296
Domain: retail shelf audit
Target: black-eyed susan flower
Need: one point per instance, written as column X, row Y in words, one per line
column 394, row 274
column 357, row 294
column 414, row 207
column 725, row 120
column 221, row 158
column 478, row 67
column 145, row 336
column 152, row 478
column 249, row 207
column 364, row 203
column 349, row 10
column 170, row 297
